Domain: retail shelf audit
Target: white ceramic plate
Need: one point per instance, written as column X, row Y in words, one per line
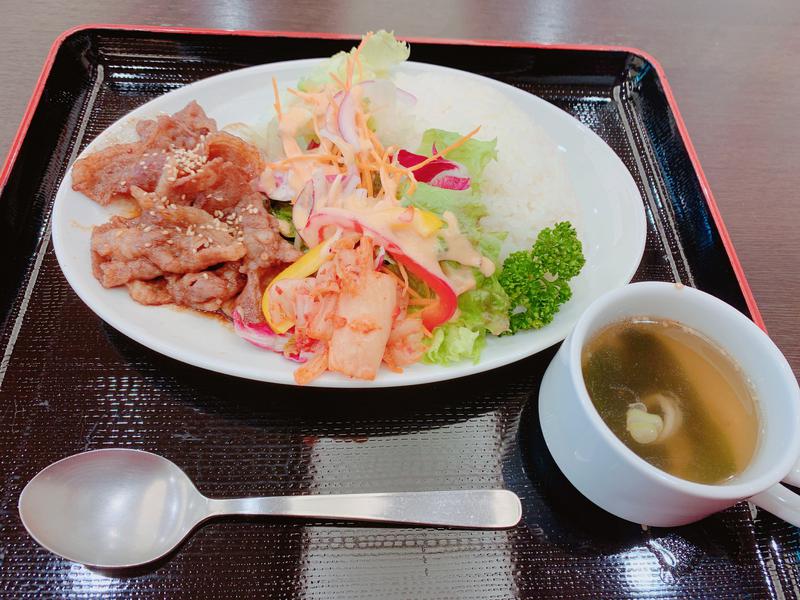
column 613, row 234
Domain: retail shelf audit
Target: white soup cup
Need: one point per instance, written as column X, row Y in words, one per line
column 612, row 476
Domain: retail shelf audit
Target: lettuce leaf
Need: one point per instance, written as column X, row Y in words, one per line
column 379, row 54
column 452, row 343
column 283, row 212
column 465, row 205
column 484, row 308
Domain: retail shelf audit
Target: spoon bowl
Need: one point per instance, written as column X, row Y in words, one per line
column 111, row 508
column 117, row 508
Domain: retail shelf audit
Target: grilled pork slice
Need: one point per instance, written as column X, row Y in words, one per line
column 115, row 169
column 207, row 290
column 167, row 239
column 213, row 176
column 267, row 253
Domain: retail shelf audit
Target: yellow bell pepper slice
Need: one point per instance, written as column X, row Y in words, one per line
column 305, row 266
column 423, row 221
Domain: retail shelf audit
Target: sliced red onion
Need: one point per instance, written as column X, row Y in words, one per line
column 347, row 121
column 405, row 97
column 313, row 197
column 349, row 181
column 333, row 136
column 261, row 335
column 382, row 94
column 349, row 184
column 303, row 206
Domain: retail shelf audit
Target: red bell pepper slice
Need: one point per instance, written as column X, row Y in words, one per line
column 442, row 311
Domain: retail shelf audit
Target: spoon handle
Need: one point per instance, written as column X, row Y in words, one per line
column 479, row 509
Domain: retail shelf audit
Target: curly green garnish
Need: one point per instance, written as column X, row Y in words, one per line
column 537, row 280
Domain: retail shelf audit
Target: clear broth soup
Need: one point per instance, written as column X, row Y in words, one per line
column 673, row 397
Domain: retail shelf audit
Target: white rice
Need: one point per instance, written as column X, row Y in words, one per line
column 527, row 188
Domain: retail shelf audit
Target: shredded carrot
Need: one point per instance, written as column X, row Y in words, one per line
column 376, row 143
column 412, row 184
column 366, row 180
column 397, row 169
column 382, row 166
column 364, row 39
column 375, row 155
column 371, row 165
column 356, row 56
column 316, row 129
column 357, row 60
column 361, row 121
column 414, row 293
column 405, row 277
column 336, row 79
column 388, row 271
column 444, row 152
column 322, row 157
column 421, row 301
column 349, row 80
column 306, row 97
column 277, row 104
column 426, row 332
column 411, row 291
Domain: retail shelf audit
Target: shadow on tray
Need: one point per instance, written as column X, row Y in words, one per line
column 251, row 401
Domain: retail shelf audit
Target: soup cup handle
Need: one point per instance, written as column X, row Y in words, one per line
column 781, row 502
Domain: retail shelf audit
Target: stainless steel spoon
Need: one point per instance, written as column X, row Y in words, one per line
column 119, row 508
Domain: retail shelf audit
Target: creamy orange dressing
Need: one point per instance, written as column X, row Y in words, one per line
column 292, row 120
column 461, row 278
column 459, row 249
column 447, row 244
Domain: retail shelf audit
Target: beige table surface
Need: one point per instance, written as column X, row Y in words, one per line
column 734, row 66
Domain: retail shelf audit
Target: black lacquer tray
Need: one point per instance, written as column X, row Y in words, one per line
column 68, row 382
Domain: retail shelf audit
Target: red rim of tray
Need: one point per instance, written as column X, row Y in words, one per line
column 706, row 189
